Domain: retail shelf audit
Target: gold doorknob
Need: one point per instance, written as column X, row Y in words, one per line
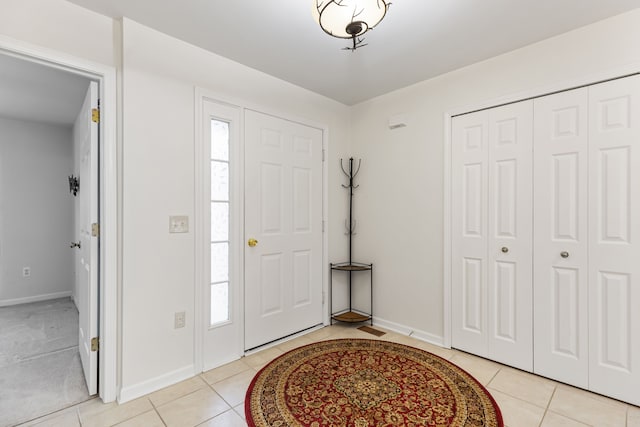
column 252, row 242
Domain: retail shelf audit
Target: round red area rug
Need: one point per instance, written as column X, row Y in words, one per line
column 366, row 383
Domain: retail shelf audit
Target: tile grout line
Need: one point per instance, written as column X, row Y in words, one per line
column 220, row 396
column 133, row 416
column 225, row 378
column 626, row 416
column 153, row 405
column 546, row 409
column 213, row 418
column 492, row 378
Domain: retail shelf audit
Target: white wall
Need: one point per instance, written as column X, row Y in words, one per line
column 400, row 202
column 59, row 25
column 36, row 211
column 160, row 75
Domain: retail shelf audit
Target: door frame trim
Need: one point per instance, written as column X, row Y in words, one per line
column 562, row 86
column 200, row 96
column 109, row 244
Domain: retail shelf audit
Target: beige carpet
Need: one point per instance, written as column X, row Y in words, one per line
column 40, row 369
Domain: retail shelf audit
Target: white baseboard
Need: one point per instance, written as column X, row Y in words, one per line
column 409, row 331
column 36, row 298
column 137, row 390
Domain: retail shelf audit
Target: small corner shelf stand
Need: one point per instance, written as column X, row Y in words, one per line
column 351, row 315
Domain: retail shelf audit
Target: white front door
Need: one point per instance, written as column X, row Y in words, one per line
column 560, row 237
column 614, row 238
column 220, row 237
column 86, row 132
column 283, row 228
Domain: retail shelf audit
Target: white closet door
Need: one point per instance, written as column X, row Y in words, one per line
column 491, row 251
column 560, row 237
column 509, row 275
column 469, row 232
column 614, row 230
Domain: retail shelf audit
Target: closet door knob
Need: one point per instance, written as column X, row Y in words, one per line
column 564, row 254
column 505, row 249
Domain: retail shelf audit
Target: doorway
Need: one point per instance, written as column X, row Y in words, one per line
column 41, row 130
column 261, row 245
column 44, row 63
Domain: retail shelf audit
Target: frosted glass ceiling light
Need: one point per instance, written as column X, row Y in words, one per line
column 349, row 19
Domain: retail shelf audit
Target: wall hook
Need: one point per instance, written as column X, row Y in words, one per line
column 74, row 185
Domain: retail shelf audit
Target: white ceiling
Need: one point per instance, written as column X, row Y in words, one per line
column 417, row 40
column 35, row 92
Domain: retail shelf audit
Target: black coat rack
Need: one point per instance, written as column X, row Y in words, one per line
column 350, row 224
column 351, row 315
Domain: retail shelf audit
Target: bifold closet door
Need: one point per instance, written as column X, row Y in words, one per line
column 560, row 237
column 491, row 251
column 469, row 157
column 614, row 238
column 510, row 232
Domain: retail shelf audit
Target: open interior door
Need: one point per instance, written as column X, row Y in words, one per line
column 86, row 140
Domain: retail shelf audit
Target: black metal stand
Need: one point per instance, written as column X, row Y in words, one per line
column 351, row 315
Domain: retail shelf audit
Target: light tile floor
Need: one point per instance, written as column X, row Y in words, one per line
column 215, row 398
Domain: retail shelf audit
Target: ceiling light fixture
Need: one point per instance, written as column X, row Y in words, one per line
column 349, row 19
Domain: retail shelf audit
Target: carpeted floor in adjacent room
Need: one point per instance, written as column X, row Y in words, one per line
column 40, row 369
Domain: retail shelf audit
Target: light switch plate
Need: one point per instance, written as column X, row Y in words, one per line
column 179, row 224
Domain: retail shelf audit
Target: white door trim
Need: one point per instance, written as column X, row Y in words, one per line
column 201, row 95
column 109, row 207
column 590, row 79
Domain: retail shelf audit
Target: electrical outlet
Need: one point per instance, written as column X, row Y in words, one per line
column 179, row 320
column 26, row 272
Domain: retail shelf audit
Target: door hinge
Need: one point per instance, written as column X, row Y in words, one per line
column 95, row 229
column 323, row 225
column 323, row 151
column 95, row 115
column 95, row 346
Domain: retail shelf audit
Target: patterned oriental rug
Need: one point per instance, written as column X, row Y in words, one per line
column 366, row 383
